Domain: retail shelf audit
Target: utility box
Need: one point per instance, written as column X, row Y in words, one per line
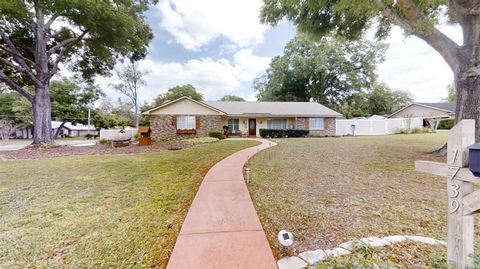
column 474, row 159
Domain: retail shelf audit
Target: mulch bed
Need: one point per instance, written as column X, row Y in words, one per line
column 30, row 153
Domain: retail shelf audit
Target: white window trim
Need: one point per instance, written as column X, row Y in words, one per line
column 233, row 131
column 187, row 124
column 310, row 127
column 286, row 123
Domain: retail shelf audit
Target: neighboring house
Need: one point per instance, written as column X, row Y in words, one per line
column 377, row 117
column 426, row 111
column 185, row 116
column 68, row 129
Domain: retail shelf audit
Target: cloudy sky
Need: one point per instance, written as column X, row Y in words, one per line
column 220, row 47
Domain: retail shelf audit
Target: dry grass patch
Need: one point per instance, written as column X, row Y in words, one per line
column 100, row 211
column 331, row 190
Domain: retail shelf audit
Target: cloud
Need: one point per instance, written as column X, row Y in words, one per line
column 411, row 64
column 194, row 23
column 213, row 77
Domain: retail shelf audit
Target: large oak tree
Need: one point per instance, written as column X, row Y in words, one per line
column 329, row 70
column 87, row 36
column 420, row 18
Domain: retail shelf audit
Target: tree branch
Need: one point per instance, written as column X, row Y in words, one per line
column 21, row 60
column 445, row 46
column 9, row 63
column 67, row 42
column 60, row 56
column 14, row 86
column 50, row 21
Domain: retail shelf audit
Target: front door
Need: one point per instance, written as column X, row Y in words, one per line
column 252, row 127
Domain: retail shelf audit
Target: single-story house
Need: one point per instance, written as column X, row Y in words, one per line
column 185, row 116
column 68, row 129
column 426, row 111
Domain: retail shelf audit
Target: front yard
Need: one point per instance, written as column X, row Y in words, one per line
column 331, row 190
column 100, row 211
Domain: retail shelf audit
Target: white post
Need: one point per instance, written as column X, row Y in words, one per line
column 460, row 227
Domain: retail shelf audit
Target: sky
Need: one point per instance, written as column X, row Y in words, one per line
column 220, row 47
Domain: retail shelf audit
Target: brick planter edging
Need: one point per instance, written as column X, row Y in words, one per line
column 312, row 257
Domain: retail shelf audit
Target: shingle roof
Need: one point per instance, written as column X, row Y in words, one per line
column 445, row 106
column 69, row 125
column 274, row 108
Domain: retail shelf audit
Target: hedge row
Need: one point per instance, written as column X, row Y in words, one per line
column 283, row 133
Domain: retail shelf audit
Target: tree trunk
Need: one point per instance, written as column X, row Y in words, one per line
column 58, row 130
column 468, row 97
column 137, row 118
column 42, row 111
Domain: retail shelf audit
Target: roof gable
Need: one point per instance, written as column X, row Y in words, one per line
column 184, row 105
column 447, row 108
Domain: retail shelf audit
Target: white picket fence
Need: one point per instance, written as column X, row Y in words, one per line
column 377, row 126
column 110, row 134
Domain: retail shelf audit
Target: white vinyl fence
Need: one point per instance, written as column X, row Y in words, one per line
column 110, row 134
column 377, row 126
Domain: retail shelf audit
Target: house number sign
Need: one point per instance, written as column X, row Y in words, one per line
column 454, row 204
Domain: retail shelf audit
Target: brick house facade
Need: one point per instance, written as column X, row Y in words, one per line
column 198, row 118
column 329, row 126
column 163, row 126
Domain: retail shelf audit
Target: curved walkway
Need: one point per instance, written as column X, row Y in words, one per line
column 222, row 229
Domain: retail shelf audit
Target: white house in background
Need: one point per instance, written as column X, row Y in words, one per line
column 377, row 117
column 426, row 111
column 68, row 129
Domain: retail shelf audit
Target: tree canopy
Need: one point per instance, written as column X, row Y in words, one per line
column 232, row 98
column 451, row 93
column 37, row 36
column 380, row 100
column 177, row 92
column 131, row 79
column 420, row 18
column 326, row 71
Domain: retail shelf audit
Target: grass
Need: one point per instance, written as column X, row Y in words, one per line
column 399, row 255
column 331, row 190
column 100, row 211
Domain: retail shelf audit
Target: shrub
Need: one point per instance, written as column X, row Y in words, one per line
column 446, row 124
column 103, row 141
column 278, row 133
column 216, row 134
column 416, row 131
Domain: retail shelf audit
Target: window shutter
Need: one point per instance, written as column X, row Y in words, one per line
column 197, row 122
column 174, row 121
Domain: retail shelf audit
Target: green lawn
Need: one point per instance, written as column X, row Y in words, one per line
column 100, row 211
column 331, row 190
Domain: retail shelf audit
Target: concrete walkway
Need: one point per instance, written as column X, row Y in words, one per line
column 222, row 229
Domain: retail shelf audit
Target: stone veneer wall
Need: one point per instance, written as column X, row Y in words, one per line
column 209, row 123
column 330, row 125
column 162, row 126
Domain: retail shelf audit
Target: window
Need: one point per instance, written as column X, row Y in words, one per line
column 233, row 126
column 316, row 123
column 277, row 124
column 185, row 122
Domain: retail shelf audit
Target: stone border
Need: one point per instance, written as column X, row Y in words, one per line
column 312, row 257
